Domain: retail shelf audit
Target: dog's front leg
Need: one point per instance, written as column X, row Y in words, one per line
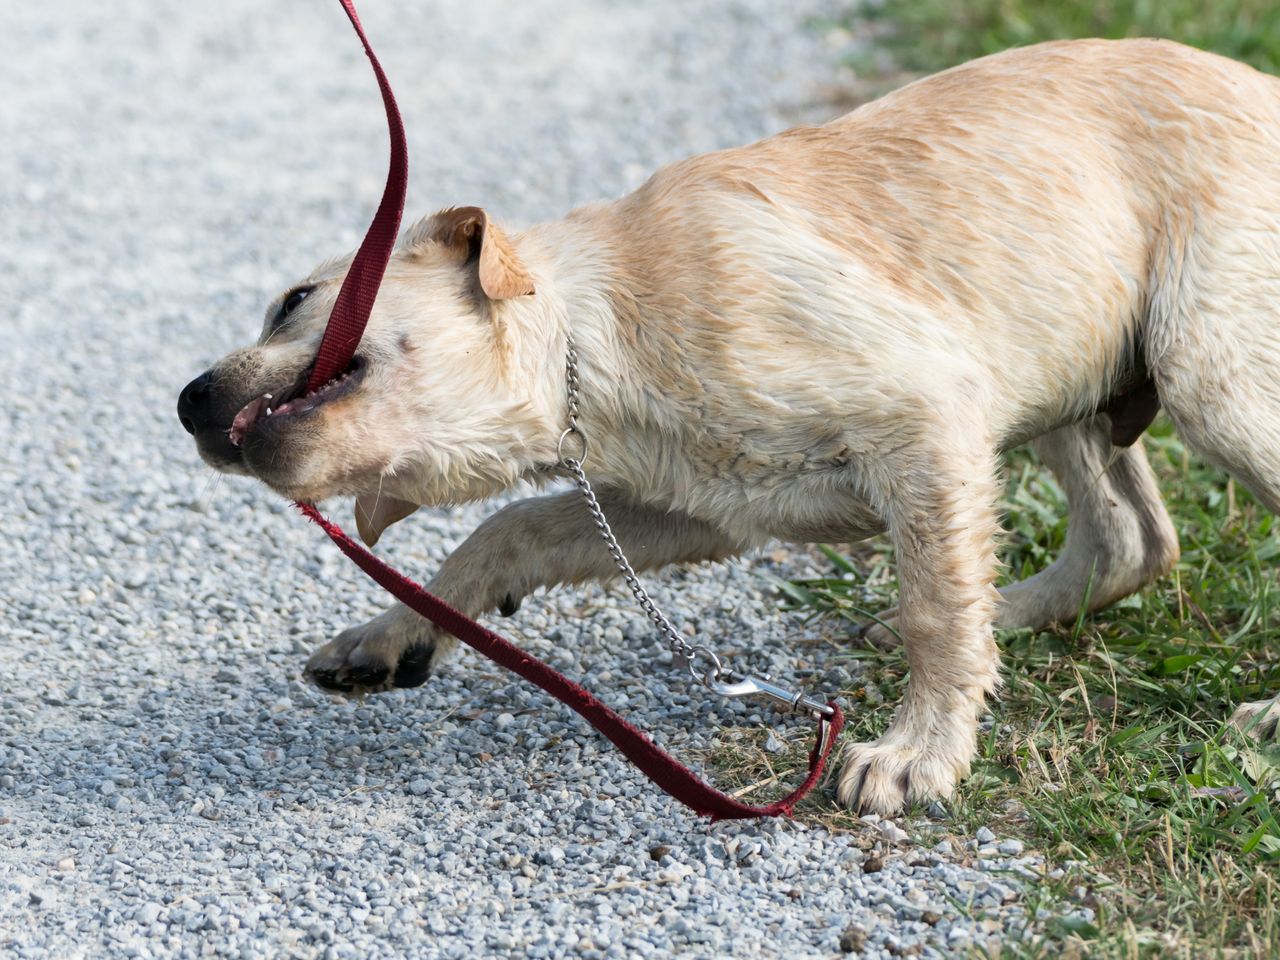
column 533, row 543
column 942, row 518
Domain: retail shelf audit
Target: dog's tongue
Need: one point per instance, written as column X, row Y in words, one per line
column 246, row 418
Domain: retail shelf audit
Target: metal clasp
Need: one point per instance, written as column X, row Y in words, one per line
column 729, row 683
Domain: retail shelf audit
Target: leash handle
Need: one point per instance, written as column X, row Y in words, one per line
column 656, row 764
column 360, row 287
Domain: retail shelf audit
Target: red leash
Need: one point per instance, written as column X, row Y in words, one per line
column 342, row 336
column 658, row 766
column 360, row 288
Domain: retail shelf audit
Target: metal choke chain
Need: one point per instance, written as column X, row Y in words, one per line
column 681, row 648
column 716, row 677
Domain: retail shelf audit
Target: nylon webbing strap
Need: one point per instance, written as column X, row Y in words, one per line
column 659, row 766
column 360, row 288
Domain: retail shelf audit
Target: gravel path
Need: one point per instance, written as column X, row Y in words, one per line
column 167, row 786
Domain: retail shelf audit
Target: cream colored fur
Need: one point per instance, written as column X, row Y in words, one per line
column 829, row 333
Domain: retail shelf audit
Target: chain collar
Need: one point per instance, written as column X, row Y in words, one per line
column 714, row 675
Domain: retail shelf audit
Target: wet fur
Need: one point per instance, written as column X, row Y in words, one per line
column 833, row 332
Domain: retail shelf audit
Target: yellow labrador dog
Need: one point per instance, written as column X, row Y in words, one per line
column 830, row 333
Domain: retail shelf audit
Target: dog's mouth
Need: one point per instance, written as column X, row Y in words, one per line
column 295, row 401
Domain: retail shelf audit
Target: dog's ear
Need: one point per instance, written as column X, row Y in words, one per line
column 469, row 231
column 375, row 512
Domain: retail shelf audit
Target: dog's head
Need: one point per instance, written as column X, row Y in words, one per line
column 445, row 400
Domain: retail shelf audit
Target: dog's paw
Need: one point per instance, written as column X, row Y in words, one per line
column 1260, row 719
column 889, row 775
column 388, row 652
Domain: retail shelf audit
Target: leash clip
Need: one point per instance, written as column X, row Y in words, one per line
column 729, row 683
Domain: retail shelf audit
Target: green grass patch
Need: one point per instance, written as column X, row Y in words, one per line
column 1109, row 744
column 922, row 36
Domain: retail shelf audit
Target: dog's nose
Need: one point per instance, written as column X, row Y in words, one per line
column 193, row 402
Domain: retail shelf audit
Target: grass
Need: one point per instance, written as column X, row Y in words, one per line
column 912, row 37
column 1108, row 745
column 928, row 35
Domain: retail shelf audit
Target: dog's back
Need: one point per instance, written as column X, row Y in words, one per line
column 1048, row 207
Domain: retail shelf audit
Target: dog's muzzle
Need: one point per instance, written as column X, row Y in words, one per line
column 205, row 414
column 195, row 404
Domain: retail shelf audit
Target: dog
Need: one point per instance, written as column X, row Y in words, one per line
column 828, row 334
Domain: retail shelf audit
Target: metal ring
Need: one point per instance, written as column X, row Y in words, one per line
column 711, row 675
column 582, row 439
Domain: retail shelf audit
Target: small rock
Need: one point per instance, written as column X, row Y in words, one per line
column 658, row 852
column 503, row 720
column 675, row 873
column 419, row 787
column 147, row 914
column 551, row 855
column 872, row 864
column 853, row 939
column 773, row 744
column 984, row 836
column 931, row 917
column 892, row 832
column 66, row 864
column 1011, row 848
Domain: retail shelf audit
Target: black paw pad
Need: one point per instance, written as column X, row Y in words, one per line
column 328, row 680
column 414, row 667
column 509, row 605
column 367, row 675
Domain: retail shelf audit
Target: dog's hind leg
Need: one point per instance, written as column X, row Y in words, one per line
column 1231, row 416
column 1214, row 344
column 539, row 542
column 1119, row 536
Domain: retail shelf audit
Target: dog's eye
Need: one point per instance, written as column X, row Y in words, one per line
column 293, row 301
